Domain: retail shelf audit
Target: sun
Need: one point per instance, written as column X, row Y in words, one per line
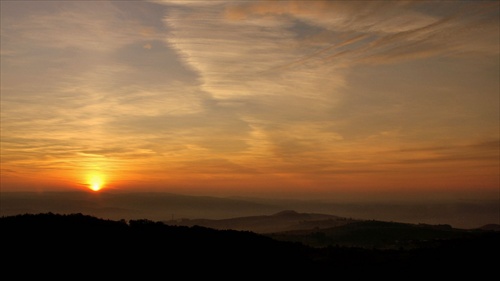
column 95, row 182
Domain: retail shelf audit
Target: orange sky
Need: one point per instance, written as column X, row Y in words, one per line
column 282, row 98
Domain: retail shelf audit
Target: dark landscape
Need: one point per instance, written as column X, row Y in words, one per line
column 148, row 235
column 41, row 244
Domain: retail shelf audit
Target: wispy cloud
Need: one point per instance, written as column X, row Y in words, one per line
column 93, row 26
column 399, row 31
column 371, row 16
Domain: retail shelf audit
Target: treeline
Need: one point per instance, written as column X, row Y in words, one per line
column 78, row 245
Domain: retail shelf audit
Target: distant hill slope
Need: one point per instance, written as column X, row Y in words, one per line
column 374, row 234
column 321, row 230
column 281, row 221
column 492, row 227
column 79, row 246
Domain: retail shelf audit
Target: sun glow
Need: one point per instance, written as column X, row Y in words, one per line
column 96, row 182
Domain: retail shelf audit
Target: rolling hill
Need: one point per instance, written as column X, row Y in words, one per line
column 322, row 230
column 281, row 221
column 374, row 235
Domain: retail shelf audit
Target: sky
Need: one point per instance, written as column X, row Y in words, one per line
column 267, row 98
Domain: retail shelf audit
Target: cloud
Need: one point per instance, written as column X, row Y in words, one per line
column 71, row 70
column 400, row 31
column 260, row 54
column 240, row 65
column 483, row 153
column 77, row 25
column 229, row 66
column 372, row 16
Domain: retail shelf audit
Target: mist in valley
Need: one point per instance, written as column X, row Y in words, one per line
column 161, row 206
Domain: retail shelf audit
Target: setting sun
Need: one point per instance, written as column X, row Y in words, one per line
column 96, row 182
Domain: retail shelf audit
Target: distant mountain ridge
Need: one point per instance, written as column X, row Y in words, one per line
column 162, row 206
column 282, row 221
column 322, row 230
column 492, row 227
column 137, row 205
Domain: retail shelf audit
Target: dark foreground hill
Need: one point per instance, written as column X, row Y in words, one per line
column 77, row 246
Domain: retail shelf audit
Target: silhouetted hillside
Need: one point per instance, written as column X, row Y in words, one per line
column 76, row 245
column 78, row 241
column 281, row 221
column 492, row 227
